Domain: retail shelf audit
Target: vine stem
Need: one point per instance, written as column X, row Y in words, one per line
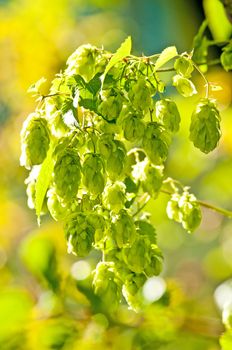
column 222, row 211
column 205, row 80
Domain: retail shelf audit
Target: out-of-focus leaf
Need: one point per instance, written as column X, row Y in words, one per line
column 226, row 341
column 39, row 255
column 219, row 24
column 200, row 47
column 15, row 306
column 35, row 88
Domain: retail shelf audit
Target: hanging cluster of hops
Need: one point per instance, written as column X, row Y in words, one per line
column 96, row 147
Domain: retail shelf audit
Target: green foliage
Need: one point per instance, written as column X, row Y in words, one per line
column 111, row 129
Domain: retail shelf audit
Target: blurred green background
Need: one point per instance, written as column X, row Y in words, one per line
column 46, row 300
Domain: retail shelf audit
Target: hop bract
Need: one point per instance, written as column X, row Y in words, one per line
column 183, row 66
column 35, row 140
column 205, row 126
column 184, row 86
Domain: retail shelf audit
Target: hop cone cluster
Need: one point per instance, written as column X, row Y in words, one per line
column 104, row 134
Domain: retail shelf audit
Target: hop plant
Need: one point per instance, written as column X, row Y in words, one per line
column 79, row 234
column 184, row 86
column 67, row 173
column 124, row 230
column 86, row 61
column 184, row 66
column 106, row 284
column 156, row 141
column 205, row 126
column 35, row 140
column 93, row 178
column 114, row 196
column 96, row 147
column 184, row 209
column 168, row 114
column 140, row 94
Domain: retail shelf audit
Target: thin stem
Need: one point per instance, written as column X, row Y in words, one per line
column 142, row 206
column 222, row 211
column 205, row 80
column 172, row 69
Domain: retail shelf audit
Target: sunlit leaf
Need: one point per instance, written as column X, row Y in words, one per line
column 123, row 51
column 43, row 181
column 165, row 56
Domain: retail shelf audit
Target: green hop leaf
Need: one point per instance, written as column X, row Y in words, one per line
column 35, row 140
column 168, row 114
column 124, row 231
column 184, row 86
column 57, row 209
column 205, row 126
column 67, row 173
column 156, row 141
column 184, row 66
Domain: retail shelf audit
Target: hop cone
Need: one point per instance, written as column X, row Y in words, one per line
column 67, row 174
column 35, row 141
column 124, row 230
column 106, row 284
column 156, row 142
column 79, row 234
column 205, row 126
